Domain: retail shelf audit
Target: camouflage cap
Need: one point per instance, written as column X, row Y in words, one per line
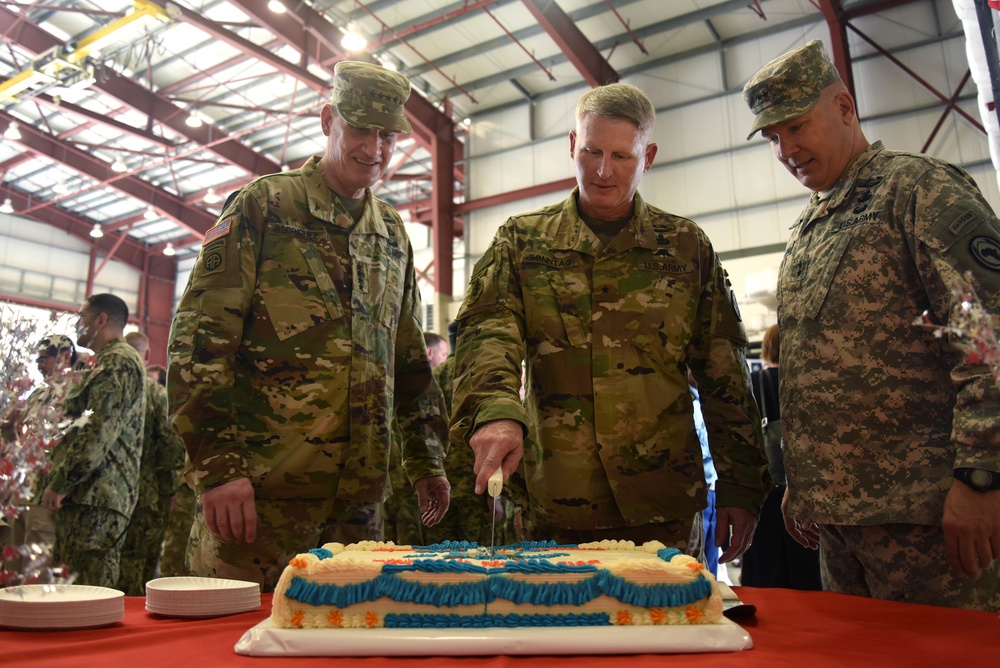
column 370, row 96
column 789, row 85
column 53, row 344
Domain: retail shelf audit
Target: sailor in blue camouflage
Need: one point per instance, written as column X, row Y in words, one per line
column 159, row 474
column 93, row 484
column 607, row 298
column 297, row 341
column 877, row 412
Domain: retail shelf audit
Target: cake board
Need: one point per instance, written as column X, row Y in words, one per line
column 266, row 640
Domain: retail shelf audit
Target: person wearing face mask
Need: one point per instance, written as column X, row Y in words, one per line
column 608, row 299
column 298, row 341
column 92, row 485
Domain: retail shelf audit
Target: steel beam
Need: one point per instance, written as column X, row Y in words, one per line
column 578, row 49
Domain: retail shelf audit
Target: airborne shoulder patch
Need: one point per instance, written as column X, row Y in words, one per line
column 219, row 230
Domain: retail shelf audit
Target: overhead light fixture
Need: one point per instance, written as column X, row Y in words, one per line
column 97, row 232
column 276, row 7
column 150, row 213
column 13, row 131
column 194, row 120
column 60, row 188
column 387, row 63
column 466, row 121
column 168, row 250
column 212, row 197
column 7, row 206
column 119, row 165
column 353, row 40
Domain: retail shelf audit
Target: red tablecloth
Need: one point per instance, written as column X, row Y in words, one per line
column 791, row 628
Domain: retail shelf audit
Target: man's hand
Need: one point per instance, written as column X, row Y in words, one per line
column 971, row 527
column 52, row 500
column 805, row 534
column 433, row 498
column 743, row 525
column 495, row 443
column 230, row 512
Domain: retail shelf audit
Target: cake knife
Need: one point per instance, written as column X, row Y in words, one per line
column 494, row 486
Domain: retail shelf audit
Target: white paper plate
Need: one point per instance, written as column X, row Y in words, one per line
column 201, row 597
column 60, row 606
column 265, row 640
column 188, row 583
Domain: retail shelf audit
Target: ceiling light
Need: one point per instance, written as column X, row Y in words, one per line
column 6, row 207
column 353, row 40
column 13, row 131
column 276, row 7
column 194, row 120
column 60, row 188
column 466, row 121
column 97, row 232
column 168, row 250
column 119, row 165
column 388, row 64
column 212, row 197
column 150, row 213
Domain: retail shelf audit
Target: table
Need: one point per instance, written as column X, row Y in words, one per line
column 814, row 629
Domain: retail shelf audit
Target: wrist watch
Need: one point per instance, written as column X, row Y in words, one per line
column 981, row 480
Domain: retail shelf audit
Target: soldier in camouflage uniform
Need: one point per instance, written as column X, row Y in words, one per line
column 607, row 298
column 159, row 472
column 93, row 483
column 882, row 420
column 297, row 341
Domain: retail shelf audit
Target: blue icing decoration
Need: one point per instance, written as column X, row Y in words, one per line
column 668, row 553
column 394, row 620
column 520, row 558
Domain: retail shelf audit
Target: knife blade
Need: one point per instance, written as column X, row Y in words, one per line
column 494, row 486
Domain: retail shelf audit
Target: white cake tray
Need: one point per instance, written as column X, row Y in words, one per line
column 265, row 640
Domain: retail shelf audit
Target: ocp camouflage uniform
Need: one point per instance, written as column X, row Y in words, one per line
column 297, row 340
column 96, row 465
column 876, row 412
column 610, row 442
column 468, row 514
column 402, row 510
column 159, row 472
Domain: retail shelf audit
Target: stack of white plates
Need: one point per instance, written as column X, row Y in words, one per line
column 60, row 606
column 201, row 597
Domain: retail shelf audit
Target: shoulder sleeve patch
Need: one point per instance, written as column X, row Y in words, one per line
column 219, row 230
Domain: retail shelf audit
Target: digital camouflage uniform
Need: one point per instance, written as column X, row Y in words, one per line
column 610, row 438
column 876, row 412
column 297, row 340
column 159, row 471
column 96, row 465
column 180, row 516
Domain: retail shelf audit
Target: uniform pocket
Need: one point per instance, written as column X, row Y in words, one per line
column 298, row 292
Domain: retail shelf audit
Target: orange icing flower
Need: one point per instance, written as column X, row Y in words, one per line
column 393, row 561
column 335, row 618
column 693, row 614
column 657, row 616
column 492, row 564
column 695, row 566
column 371, row 619
column 624, row 618
column 296, row 619
column 298, row 562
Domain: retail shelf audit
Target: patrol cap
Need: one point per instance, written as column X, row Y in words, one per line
column 53, row 344
column 789, row 85
column 370, row 96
